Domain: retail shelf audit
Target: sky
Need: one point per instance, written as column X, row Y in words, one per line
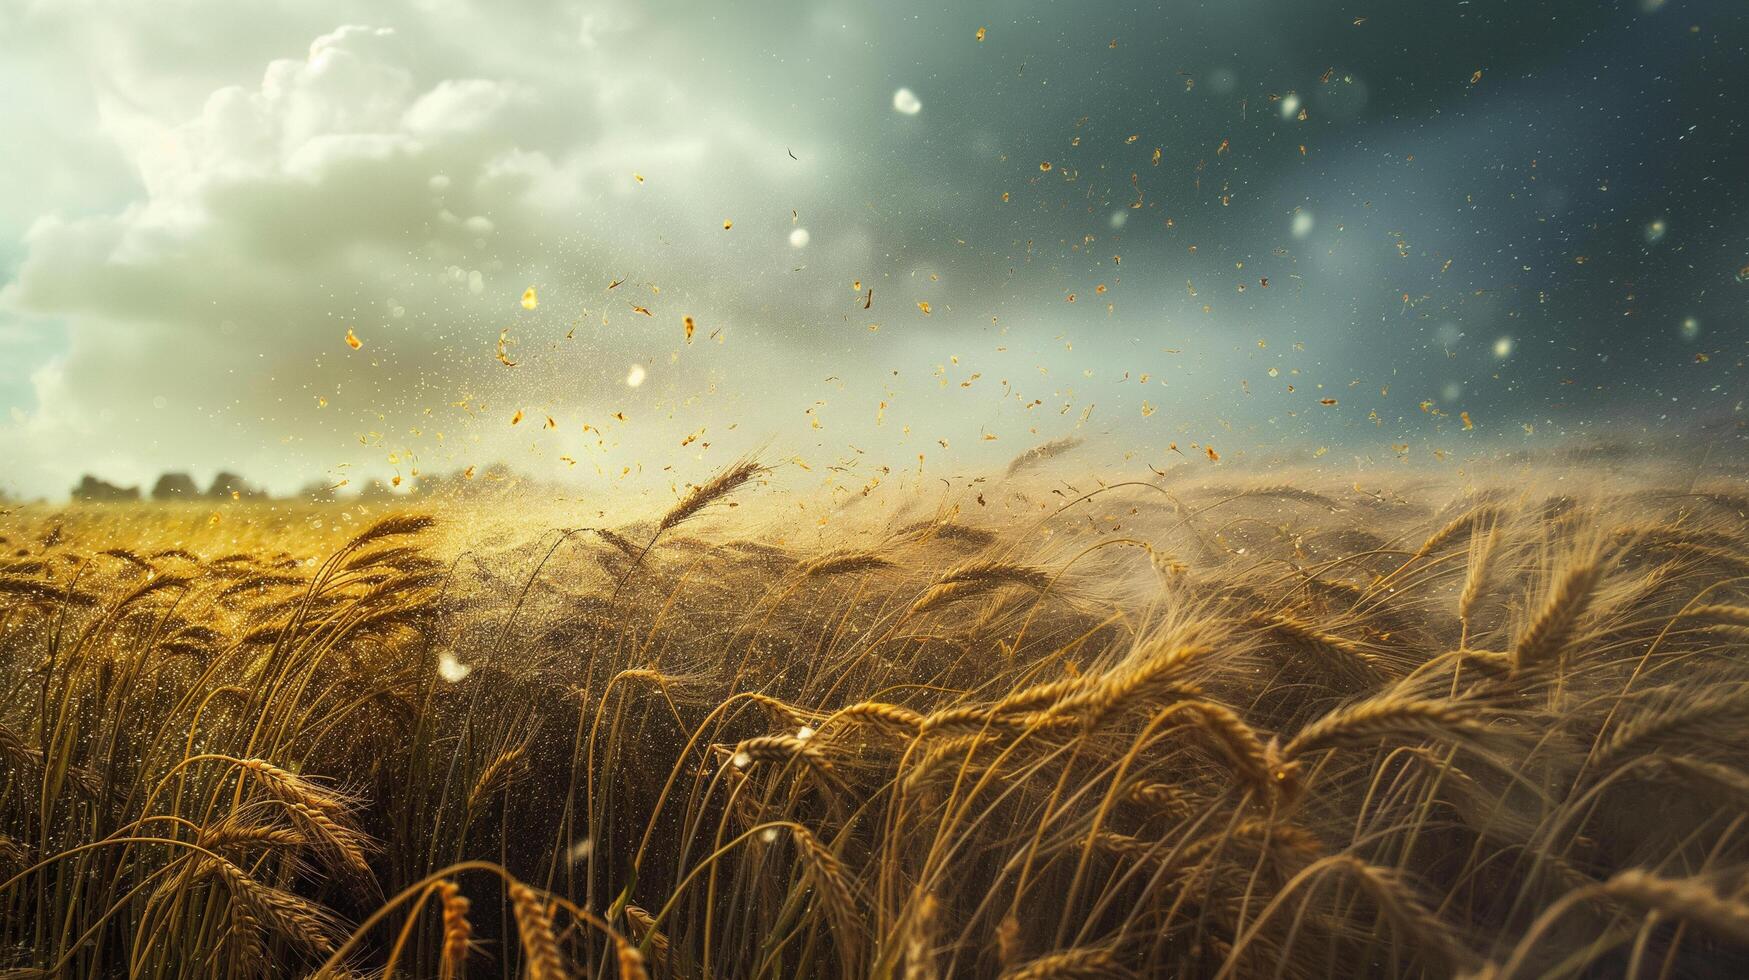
column 1380, row 231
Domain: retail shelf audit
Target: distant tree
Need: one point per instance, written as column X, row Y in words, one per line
column 175, row 486
column 318, row 490
column 228, row 485
column 90, row 488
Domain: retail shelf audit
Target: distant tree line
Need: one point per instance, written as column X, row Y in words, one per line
column 496, row 478
column 171, row 486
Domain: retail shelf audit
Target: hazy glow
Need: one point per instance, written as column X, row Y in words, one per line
column 906, row 101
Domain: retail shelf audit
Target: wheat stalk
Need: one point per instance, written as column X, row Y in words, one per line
column 644, row 926
column 1406, row 909
column 1390, row 715
column 395, row 525
column 842, row 563
column 826, row 874
column 534, row 927
column 978, row 577
column 1456, row 526
column 631, row 962
column 1688, row 899
column 1548, row 635
column 920, row 941
column 497, row 776
column 1346, row 655
column 458, row 932
column 1482, row 549
column 1081, row 963
column 293, row 917
column 709, row 492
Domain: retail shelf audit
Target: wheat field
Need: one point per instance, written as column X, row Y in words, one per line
column 1410, row 726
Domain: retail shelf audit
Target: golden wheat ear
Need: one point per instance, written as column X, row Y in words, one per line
column 458, row 932
column 393, row 526
column 540, row 940
column 842, row 563
column 1687, row 899
column 717, row 488
column 1085, row 961
column 1547, row 637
